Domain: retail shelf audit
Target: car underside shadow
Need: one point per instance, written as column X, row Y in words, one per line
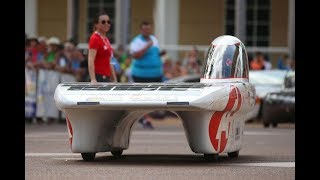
column 173, row 159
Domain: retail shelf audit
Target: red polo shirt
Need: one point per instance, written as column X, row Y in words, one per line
column 104, row 53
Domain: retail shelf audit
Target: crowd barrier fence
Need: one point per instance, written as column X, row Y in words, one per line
column 39, row 92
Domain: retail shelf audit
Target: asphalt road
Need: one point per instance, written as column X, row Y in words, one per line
column 162, row 153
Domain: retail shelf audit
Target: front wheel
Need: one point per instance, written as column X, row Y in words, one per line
column 88, row 156
column 233, row 154
column 117, row 152
column 211, row 157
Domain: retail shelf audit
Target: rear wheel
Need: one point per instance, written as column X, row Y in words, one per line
column 211, row 157
column 233, row 154
column 274, row 124
column 266, row 124
column 117, row 152
column 88, row 156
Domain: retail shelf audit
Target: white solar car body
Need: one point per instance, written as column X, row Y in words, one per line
column 100, row 116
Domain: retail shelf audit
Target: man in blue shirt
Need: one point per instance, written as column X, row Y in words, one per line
column 144, row 48
column 146, row 65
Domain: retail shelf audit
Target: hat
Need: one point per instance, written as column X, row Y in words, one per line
column 42, row 38
column 53, row 40
column 68, row 45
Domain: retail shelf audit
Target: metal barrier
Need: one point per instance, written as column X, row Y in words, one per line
column 39, row 91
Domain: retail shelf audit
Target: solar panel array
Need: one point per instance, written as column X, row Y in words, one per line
column 135, row 87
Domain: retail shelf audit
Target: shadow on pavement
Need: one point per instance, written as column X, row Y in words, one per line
column 174, row 160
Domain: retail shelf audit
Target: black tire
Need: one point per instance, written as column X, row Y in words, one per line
column 266, row 124
column 234, row 154
column 211, row 157
column 274, row 124
column 117, row 152
column 88, row 156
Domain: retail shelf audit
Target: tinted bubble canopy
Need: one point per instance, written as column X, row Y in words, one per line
column 226, row 58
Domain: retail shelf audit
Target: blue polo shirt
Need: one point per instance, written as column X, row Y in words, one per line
column 150, row 64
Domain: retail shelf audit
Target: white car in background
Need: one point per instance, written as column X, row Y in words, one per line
column 265, row 81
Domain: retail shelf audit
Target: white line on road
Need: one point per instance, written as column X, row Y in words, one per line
column 50, row 154
column 182, row 133
column 66, row 159
column 159, row 141
column 157, row 133
column 264, row 164
column 263, row 133
column 46, row 134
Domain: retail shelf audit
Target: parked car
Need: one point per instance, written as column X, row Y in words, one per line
column 264, row 81
column 279, row 106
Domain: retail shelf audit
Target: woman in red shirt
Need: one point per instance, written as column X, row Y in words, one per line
column 100, row 52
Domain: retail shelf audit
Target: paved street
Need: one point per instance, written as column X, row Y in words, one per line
column 162, row 153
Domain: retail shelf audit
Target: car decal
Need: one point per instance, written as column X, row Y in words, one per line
column 70, row 132
column 216, row 118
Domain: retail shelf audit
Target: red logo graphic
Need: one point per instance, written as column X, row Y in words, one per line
column 70, row 130
column 216, row 118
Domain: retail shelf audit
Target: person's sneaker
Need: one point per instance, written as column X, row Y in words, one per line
column 141, row 121
column 148, row 125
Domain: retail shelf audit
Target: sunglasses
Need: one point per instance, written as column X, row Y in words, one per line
column 104, row 22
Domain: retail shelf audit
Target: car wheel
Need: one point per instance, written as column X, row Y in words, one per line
column 117, row 152
column 88, row 156
column 233, row 154
column 266, row 124
column 274, row 125
column 211, row 157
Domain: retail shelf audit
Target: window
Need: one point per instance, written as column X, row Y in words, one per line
column 97, row 6
column 257, row 18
